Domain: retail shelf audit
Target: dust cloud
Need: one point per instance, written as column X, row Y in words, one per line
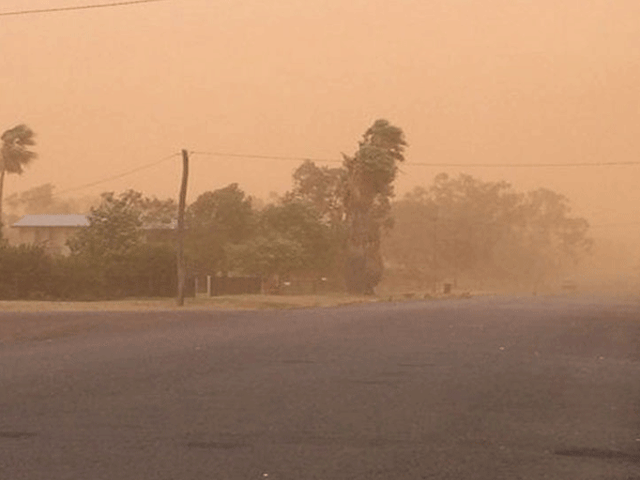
column 498, row 90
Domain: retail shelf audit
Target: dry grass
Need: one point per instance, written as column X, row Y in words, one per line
column 230, row 302
column 24, row 328
column 16, row 328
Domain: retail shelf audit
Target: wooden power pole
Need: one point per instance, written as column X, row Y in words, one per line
column 182, row 269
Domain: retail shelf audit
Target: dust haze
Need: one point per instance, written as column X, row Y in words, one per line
column 521, row 122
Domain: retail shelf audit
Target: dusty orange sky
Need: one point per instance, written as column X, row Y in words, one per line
column 508, row 81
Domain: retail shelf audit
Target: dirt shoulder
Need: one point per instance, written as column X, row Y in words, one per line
column 230, row 302
column 18, row 324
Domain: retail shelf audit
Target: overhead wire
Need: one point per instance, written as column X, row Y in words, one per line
column 77, row 7
column 296, row 158
column 105, row 179
column 119, row 175
column 293, row 158
column 524, row 165
column 421, row 164
column 265, row 157
column 316, row 159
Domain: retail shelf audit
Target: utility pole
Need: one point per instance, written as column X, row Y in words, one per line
column 434, row 259
column 180, row 233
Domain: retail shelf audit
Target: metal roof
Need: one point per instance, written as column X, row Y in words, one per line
column 53, row 220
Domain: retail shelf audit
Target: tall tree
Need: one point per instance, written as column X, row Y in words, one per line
column 113, row 251
column 15, row 153
column 267, row 255
column 300, row 222
column 485, row 232
column 323, row 187
column 370, row 174
column 290, row 238
column 216, row 219
column 553, row 240
column 113, row 231
column 116, row 224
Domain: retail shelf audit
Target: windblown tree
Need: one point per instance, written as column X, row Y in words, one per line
column 113, row 231
column 322, row 187
column 301, row 223
column 290, row 238
column 111, row 253
column 214, row 221
column 15, row 153
column 370, row 174
column 552, row 240
column 116, row 225
column 485, row 233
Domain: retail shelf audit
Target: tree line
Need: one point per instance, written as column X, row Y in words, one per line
column 336, row 223
column 485, row 234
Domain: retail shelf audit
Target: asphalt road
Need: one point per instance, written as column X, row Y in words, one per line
column 486, row 388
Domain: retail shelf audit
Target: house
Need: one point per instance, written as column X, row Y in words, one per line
column 50, row 231
column 53, row 230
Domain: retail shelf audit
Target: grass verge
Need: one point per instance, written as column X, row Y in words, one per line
column 16, row 328
column 230, row 302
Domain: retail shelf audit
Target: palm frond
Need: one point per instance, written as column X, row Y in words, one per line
column 14, row 153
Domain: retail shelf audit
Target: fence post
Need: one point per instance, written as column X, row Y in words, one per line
column 208, row 285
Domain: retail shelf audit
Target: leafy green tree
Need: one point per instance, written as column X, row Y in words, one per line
column 113, row 231
column 116, row 225
column 462, row 226
column 24, row 272
column 290, row 238
column 370, row 174
column 113, row 249
column 451, row 227
column 15, row 153
column 322, row 187
column 267, row 255
column 301, row 223
column 216, row 219
column 155, row 212
column 552, row 241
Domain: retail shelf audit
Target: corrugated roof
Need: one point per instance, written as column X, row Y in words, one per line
column 52, row 220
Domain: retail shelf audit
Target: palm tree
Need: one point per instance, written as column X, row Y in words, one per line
column 15, row 153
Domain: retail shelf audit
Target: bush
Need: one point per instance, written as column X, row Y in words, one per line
column 26, row 272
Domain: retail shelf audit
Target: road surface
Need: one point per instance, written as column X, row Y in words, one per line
column 485, row 388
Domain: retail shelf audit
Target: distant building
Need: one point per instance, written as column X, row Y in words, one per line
column 53, row 230
column 49, row 230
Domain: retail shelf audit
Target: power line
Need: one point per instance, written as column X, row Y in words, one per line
column 422, row 164
column 77, row 7
column 270, row 157
column 619, row 224
column 265, row 157
column 119, row 175
column 523, row 165
column 106, row 179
